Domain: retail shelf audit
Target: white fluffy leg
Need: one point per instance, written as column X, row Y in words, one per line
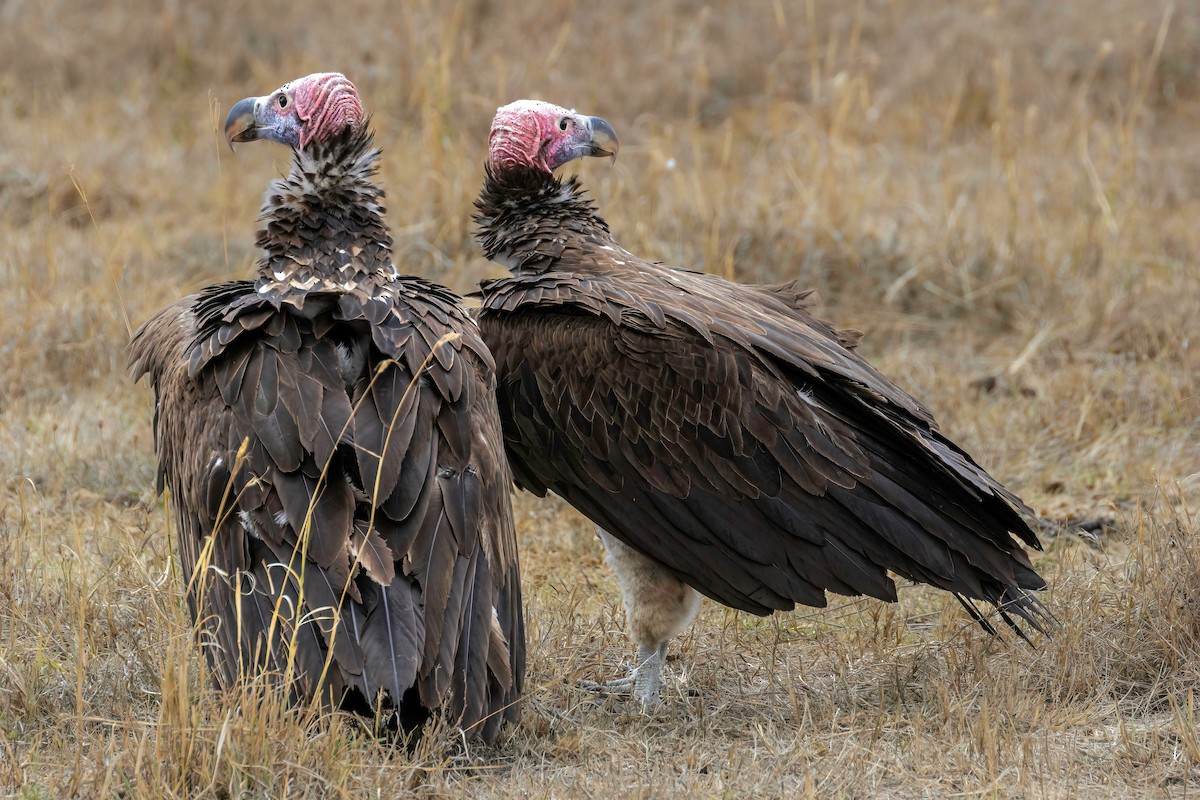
column 657, row 606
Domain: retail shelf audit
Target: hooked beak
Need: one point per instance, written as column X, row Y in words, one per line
column 240, row 125
column 604, row 138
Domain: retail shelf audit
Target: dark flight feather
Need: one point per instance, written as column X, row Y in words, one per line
column 317, row 498
column 723, row 430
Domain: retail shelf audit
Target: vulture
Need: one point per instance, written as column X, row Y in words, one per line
column 724, row 440
column 331, row 442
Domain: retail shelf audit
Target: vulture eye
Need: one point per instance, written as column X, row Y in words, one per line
column 283, row 101
column 563, row 123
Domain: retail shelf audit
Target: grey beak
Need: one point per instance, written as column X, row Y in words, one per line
column 604, row 138
column 240, row 125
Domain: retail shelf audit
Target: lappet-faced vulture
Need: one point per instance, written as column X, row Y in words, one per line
column 723, row 439
column 330, row 438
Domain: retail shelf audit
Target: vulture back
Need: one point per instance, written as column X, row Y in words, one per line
column 331, row 442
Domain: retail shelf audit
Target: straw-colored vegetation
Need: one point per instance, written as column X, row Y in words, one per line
column 1005, row 190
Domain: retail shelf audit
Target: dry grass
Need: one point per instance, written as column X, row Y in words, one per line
column 987, row 188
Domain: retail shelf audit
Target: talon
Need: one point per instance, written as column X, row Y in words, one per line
column 617, row 686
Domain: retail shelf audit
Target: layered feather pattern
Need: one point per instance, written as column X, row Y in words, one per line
column 723, row 430
column 332, row 445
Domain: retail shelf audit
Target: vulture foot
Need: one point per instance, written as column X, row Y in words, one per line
column 658, row 604
column 644, row 682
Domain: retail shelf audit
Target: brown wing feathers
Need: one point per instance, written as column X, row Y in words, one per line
column 722, row 429
column 330, row 437
column 359, row 505
column 757, row 515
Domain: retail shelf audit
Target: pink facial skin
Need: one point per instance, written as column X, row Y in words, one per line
column 543, row 136
column 310, row 110
column 326, row 103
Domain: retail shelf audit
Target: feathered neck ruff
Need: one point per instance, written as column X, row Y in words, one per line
column 521, row 207
column 323, row 224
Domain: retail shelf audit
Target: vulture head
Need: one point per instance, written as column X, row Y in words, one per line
column 543, row 136
column 307, row 111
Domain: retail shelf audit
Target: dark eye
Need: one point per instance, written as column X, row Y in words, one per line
column 283, row 101
column 563, row 123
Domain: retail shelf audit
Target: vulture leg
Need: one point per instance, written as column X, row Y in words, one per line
column 657, row 606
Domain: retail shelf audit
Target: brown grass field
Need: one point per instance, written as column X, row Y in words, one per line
column 990, row 189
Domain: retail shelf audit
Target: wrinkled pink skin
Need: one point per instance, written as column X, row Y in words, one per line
column 528, row 133
column 306, row 111
column 326, row 103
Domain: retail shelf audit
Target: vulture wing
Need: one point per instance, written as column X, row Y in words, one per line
column 341, row 494
column 730, row 435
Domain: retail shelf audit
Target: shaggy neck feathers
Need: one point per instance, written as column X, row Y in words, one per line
column 527, row 218
column 323, row 224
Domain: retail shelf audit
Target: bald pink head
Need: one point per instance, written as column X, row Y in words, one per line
column 543, row 136
column 327, row 104
column 308, row 110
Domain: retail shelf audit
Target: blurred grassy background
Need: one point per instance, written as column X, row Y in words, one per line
column 1004, row 190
